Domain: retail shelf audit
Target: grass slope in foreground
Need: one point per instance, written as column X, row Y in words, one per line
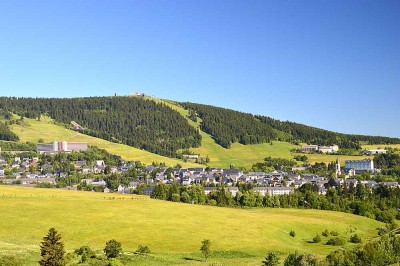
column 48, row 131
column 173, row 231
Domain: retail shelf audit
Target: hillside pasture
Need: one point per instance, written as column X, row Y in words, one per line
column 173, row 231
column 49, row 131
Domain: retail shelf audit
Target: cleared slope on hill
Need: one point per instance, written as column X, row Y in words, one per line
column 246, row 155
column 173, row 231
column 48, row 131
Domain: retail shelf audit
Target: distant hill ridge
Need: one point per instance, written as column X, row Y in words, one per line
column 152, row 125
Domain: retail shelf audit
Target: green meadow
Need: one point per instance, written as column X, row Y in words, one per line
column 172, row 231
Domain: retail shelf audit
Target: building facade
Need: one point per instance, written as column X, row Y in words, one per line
column 62, row 146
column 360, row 165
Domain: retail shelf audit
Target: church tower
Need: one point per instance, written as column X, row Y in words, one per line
column 338, row 171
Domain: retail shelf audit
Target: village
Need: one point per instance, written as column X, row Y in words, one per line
column 33, row 171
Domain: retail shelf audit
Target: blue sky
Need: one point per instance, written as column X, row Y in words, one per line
column 329, row 64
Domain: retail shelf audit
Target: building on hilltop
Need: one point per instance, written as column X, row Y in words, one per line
column 57, row 147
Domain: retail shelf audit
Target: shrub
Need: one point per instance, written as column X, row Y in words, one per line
column 292, row 233
column 112, row 249
column 325, row 233
column 317, row 238
column 271, row 259
column 142, row 250
column 334, row 233
column 335, row 242
column 355, row 239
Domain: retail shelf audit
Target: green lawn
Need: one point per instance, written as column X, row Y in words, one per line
column 173, row 231
column 48, row 131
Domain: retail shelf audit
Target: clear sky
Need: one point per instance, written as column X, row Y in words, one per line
column 330, row 64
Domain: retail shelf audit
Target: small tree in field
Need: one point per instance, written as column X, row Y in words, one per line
column 205, row 248
column 52, row 250
column 112, row 249
column 271, row 259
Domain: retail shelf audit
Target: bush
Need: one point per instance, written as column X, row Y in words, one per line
column 112, row 249
column 334, row 233
column 142, row 250
column 292, row 233
column 271, row 259
column 325, row 233
column 317, row 238
column 85, row 252
column 176, row 197
column 355, row 239
column 335, row 242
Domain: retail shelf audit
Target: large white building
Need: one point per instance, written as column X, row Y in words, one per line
column 377, row 151
column 63, row 146
column 323, row 149
column 360, row 165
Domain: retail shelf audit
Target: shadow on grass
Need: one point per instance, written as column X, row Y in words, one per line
column 192, row 259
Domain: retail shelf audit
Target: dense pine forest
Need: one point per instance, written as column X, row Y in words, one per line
column 228, row 126
column 134, row 121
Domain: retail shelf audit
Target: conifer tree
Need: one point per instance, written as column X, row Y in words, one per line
column 52, row 250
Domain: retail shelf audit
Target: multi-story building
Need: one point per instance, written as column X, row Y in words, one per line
column 63, row 146
column 360, row 165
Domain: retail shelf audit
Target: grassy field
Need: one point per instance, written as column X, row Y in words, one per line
column 173, row 231
column 381, row 146
column 48, row 131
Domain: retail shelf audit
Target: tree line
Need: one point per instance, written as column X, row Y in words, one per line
column 379, row 203
column 134, row 121
column 228, row 126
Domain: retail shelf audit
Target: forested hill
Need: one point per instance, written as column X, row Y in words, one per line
column 228, row 126
column 135, row 121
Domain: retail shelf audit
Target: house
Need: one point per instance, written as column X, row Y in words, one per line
column 79, row 164
column 2, row 172
column 233, row 190
column 86, row 169
column 369, row 183
column 120, row 189
column 133, row 185
column 272, row 191
column 389, row 184
column 148, row 191
column 106, row 190
column 280, row 190
column 186, row 180
column 99, row 183
column 100, row 163
column 374, row 151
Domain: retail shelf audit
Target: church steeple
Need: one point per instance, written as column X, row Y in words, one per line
column 338, row 171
